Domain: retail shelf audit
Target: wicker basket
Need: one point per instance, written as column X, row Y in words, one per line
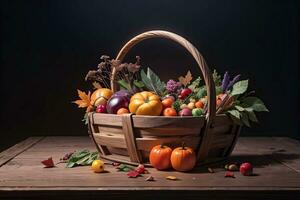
column 129, row 138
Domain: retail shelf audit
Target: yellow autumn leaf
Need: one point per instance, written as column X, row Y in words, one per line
column 81, row 103
column 187, row 79
column 173, row 178
column 84, row 101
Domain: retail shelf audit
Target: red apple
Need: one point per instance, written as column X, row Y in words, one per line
column 246, row 169
column 185, row 92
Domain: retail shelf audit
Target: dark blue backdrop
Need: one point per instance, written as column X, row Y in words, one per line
column 48, row 46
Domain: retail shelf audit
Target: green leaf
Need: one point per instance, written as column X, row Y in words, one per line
column 218, row 90
column 245, row 119
column 201, row 93
column 138, row 84
column 239, row 108
column 235, row 113
column 85, row 118
column 124, row 84
column 239, row 87
column 152, row 82
column 125, row 168
column 255, row 103
column 252, row 116
column 216, row 78
column 195, row 84
column 83, row 157
column 156, row 80
column 176, row 105
column 235, row 116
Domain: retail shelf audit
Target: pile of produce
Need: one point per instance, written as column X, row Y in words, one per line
column 144, row 93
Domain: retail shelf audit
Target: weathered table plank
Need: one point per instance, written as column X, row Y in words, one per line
column 276, row 161
column 12, row 152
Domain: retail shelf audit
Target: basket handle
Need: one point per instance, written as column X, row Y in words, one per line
column 208, row 79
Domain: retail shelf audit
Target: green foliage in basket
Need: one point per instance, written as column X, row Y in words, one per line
column 153, row 82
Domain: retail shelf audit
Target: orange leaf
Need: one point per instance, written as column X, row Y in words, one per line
column 85, row 97
column 81, row 103
column 185, row 80
column 84, row 101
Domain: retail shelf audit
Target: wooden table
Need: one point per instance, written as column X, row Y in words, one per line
column 22, row 176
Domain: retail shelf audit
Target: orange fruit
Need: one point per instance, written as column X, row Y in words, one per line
column 199, row 104
column 167, row 102
column 122, row 111
column 169, row 112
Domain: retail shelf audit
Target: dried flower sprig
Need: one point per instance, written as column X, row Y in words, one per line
column 125, row 71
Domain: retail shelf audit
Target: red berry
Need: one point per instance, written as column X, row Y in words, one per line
column 246, row 169
column 185, row 92
column 101, row 108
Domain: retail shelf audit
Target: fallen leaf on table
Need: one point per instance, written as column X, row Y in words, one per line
column 150, row 178
column 82, row 158
column 229, row 174
column 133, row 174
column 210, row 170
column 48, row 163
column 125, row 168
column 66, row 156
column 172, row 178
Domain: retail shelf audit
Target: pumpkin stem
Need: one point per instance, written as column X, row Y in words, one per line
column 183, row 145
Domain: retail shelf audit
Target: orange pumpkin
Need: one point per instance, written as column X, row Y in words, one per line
column 100, row 96
column 183, row 159
column 160, row 157
column 145, row 103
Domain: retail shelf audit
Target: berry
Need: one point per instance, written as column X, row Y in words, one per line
column 101, row 108
column 246, row 169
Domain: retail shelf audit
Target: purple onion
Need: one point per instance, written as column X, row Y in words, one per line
column 117, row 102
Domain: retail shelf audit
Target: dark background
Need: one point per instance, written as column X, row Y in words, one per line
column 48, row 46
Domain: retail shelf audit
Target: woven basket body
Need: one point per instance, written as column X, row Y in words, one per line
column 129, row 138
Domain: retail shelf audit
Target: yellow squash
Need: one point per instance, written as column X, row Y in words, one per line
column 145, row 103
column 100, row 96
